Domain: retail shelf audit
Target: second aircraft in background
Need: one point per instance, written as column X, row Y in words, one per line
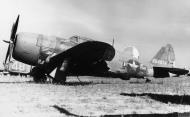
column 127, row 64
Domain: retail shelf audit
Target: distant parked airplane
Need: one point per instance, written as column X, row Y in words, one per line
column 14, row 67
column 163, row 63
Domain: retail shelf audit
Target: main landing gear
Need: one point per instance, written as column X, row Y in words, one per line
column 40, row 76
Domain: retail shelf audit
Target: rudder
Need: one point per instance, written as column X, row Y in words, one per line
column 165, row 57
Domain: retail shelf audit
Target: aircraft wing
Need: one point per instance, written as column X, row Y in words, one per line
column 164, row 71
column 84, row 58
column 178, row 71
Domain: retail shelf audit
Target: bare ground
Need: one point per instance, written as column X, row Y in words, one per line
column 19, row 96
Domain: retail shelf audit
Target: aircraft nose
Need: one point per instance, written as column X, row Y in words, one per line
column 109, row 53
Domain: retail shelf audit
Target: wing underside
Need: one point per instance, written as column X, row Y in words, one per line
column 88, row 58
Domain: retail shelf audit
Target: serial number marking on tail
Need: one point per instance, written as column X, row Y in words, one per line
column 162, row 62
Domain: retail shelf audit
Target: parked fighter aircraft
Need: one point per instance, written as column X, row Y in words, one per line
column 126, row 64
column 14, row 67
column 164, row 63
column 74, row 56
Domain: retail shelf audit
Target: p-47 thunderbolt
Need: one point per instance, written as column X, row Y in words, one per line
column 74, row 56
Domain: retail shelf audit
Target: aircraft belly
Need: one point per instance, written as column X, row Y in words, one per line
column 88, row 69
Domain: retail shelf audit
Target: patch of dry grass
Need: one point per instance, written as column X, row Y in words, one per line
column 101, row 96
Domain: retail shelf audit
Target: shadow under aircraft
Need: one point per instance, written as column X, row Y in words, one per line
column 49, row 54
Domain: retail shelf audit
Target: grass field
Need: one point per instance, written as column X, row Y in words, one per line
column 19, row 96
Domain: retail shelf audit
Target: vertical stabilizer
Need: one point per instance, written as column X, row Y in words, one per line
column 131, row 57
column 165, row 57
column 131, row 52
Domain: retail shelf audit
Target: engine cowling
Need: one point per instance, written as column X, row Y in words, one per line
column 33, row 48
column 25, row 48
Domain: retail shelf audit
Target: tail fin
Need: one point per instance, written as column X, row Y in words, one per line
column 165, row 57
column 131, row 52
column 130, row 56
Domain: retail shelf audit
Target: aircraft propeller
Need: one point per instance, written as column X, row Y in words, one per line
column 12, row 39
column 7, row 54
column 14, row 30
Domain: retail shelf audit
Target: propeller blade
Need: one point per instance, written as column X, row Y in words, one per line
column 12, row 40
column 6, row 41
column 113, row 42
column 14, row 29
column 8, row 52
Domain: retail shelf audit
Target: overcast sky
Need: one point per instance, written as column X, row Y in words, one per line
column 146, row 24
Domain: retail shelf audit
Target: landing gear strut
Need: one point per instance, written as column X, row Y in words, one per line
column 61, row 73
column 60, row 77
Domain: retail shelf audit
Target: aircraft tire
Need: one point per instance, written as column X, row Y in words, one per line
column 61, row 73
column 60, row 77
column 38, row 75
column 40, row 78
